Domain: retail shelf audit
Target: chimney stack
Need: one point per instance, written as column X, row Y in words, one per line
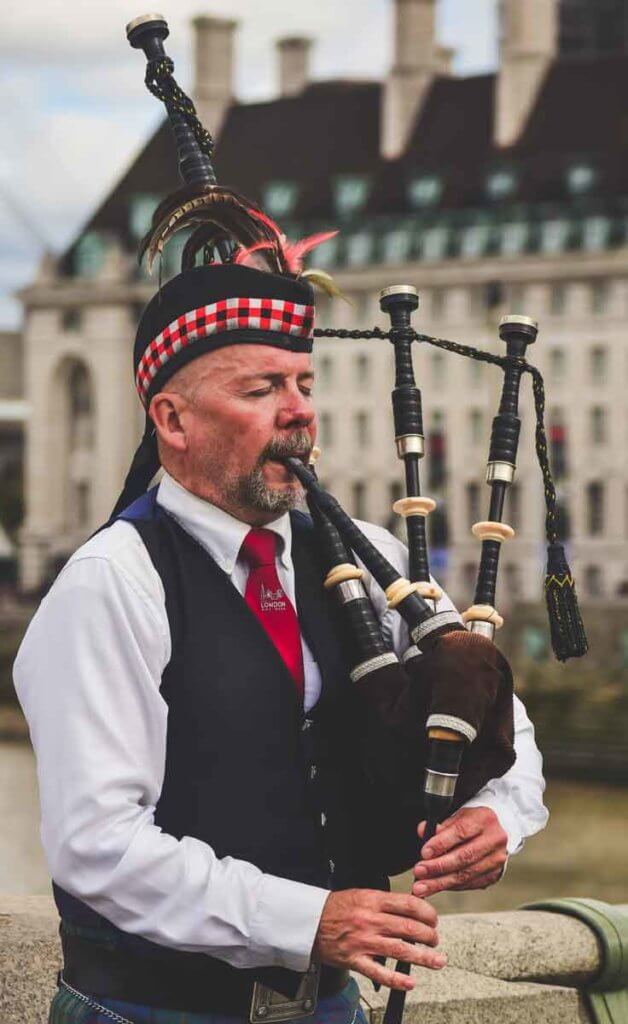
column 294, row 64
column 529, row 42
column 213, row 69
column 417, row 59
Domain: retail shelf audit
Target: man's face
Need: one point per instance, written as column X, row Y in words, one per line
column 239, row 410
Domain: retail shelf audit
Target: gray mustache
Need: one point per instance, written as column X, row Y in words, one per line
column 298, row 446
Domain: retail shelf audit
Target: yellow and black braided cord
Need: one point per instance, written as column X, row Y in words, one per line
column 160, row 82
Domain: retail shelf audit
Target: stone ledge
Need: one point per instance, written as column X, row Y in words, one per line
column 495, row 964
column 455, row 996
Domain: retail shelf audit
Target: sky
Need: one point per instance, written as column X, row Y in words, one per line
column 74, row 110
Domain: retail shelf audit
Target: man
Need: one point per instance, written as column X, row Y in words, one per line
column 199, row 785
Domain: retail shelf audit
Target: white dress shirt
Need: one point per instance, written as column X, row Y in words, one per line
column 88, row 676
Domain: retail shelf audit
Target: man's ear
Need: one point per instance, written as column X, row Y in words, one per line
column 165, row 410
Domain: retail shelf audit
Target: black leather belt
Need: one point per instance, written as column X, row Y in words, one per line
column 189, row 982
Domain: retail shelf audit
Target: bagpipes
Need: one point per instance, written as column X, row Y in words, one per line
column 445, row 711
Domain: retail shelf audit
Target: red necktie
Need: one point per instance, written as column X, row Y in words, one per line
column 268, row 601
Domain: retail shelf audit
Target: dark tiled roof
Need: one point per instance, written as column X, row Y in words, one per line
column 333, row 128
column 330, row 129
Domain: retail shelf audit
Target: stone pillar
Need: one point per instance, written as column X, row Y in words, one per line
column 213, row 69
column 294, row 64
column 417, row 58
column 529, row 35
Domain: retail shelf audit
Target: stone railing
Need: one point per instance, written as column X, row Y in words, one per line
column 524, row 966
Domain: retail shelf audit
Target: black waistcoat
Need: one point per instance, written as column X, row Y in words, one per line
column 246, row 771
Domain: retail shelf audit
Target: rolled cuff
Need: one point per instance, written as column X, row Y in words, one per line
column 286, row 921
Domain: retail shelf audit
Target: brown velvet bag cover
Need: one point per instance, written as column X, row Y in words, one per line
column 462, row 674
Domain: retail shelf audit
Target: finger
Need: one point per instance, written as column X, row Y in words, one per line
column 454, row 831
column 463, row 856
column 381, row 974
column 411, row 953
column 423, row 826
column 405, row 928
column 403, row 905
column 469, row 878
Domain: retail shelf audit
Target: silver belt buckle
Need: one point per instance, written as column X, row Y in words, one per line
column 268, row 1005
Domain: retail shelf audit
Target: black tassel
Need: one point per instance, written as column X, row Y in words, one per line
column 143, row 468
column 566, row 626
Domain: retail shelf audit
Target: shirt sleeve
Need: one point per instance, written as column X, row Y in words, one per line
column 87, row 676
column 517, row 797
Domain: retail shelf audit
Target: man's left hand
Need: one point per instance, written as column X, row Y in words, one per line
column 467, row 852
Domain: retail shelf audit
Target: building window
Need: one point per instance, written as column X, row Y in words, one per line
column 593, row 581
column 598, row 364
column 325, row 430
column 327, row 253
column 395, row 524
column 596, row 233
column 558, row 444
column 173, row 253
column 580, row 179
column 438, row 528
column 141, row 210
column 558, row 299
column 516, row 298
column 476, row 371
column 71, row 319
column 514, row 238
column 325, row 370
column 563, row 522
column 473, row 503
column 89, row 255
column 280, row 198
column 476, row 426
column 501, row 184
column 512, row 579
column 358, row 496
column 534, row 642
column 359, row 248
column 438, row 369
column 435, row 243
column 557, row 365
column 362, row 369
column 351, row 193
column 599, row 297
column 595, row 508
column 426, row 191
column 438, row 303
column 555, row 235
column 598, row 425
column 396, row 246
column 436, row 454
column 469, row 576
column 474, row 241
column 362, row 429
column 493, row 294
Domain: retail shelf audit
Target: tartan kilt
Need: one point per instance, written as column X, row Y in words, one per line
column 67, row 1008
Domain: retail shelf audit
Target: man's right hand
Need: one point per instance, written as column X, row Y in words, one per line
column 357, row 925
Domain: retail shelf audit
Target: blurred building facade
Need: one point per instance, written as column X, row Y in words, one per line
column 497, row 193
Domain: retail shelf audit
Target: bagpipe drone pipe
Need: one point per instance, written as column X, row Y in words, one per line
column 452, row 698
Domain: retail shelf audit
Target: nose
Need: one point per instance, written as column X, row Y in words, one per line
column 296, row 410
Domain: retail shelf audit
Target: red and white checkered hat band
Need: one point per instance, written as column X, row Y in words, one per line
column 275, row 315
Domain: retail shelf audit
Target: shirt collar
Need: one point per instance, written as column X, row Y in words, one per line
column 218, row 532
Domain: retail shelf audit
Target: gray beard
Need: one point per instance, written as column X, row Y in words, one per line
column 252, row 491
